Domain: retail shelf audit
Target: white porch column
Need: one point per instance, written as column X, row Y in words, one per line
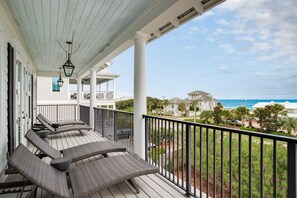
column 92, row 96
column 139, row 93
column 114, row 107
column 78, row 96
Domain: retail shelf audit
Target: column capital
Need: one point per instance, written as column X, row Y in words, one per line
column 141, row 36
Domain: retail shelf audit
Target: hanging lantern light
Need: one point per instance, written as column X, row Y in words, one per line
column 60, row 80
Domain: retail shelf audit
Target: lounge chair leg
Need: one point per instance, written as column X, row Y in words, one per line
column 134, row 184
column 105, row 155
column 81, row 132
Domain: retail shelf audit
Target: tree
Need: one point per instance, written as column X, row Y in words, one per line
column 217, row 114
column 194, row 105
column 268, row 117
column 242, row 113
column 226, row 115
column 165, row 104
column 150, row 104
column 206, row 116
column 290, row 124
column 182, row 108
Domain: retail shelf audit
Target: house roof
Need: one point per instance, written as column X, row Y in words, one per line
column 198, row 92
column 177, row 100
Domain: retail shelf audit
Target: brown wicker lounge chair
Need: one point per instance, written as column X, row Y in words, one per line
column 83, row 180
column 75, row 153
column 62, row 129
column 62, row 123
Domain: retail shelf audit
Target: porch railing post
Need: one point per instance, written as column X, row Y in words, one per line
column 188, row 159
column 292, row 176
column 115, row 125
column 146, row 131
column 57, row 113
column 103, row 123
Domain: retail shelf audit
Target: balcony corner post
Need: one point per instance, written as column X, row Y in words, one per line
column 140, row 41
column 292, row 170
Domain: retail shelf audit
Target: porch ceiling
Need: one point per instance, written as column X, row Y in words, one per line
column 102, row 28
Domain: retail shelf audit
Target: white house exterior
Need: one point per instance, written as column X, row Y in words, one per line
column 172, row 107
column 105, row 90
column 290, row 107
column 204, row 100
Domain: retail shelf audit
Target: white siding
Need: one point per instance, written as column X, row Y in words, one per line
column 45, row 93
column 8, row 34
column 3, row 100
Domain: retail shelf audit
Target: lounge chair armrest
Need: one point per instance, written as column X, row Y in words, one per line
column 61, row 163
column 55, row 125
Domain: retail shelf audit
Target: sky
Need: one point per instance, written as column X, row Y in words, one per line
column 241, row 49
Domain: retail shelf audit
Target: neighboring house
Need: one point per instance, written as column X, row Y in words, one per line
column 204, row 100
column 290, row 107
column 173, row 104
column 50, row 93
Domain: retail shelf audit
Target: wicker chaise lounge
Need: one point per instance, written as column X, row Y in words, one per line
column 83, row 180
column 62, row 123
column 62, row 129
column 74, row 153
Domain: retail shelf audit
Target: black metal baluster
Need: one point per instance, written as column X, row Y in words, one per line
column 200, row 160
column 274, row 168
column 162, row 134
column 230, row 165
column 146, row 119
column 239, row 165
column 155, row 142
column 165, row 148
column 173, row 150
column 195, row 163
column 169, row 163
column 188, row 159
column 182, row 156
column 214, row 163
column 207, row 170
column 222, row 164
column 250, row 166
column 177, row 153
column 261, row 168
column 159, row 143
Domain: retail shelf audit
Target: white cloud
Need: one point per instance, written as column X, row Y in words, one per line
column 228, row 48
column 189, row 47
column 192, row 30
column 223, row 22
column 260, row 47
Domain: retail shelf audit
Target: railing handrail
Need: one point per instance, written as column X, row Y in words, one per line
column 120, row 111
column 238, row 131
column 56, row 104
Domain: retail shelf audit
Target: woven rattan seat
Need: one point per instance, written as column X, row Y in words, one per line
column 61, row 123
column 64, row 128
column 84, row 180
column 75, row 153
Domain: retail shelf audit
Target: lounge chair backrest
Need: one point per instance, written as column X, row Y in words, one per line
column 45, row 124
column 38, row 172
column 34, row 139
column 45, row 119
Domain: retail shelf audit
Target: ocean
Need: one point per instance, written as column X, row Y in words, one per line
column 232, row 104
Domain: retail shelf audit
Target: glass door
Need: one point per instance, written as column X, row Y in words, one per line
column 20, row 95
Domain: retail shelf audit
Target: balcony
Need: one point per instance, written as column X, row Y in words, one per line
column 222, row 162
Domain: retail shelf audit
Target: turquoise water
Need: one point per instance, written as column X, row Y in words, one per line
column 232, row 104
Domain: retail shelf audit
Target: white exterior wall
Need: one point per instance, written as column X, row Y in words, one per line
column 45, row 95
column 8, row 34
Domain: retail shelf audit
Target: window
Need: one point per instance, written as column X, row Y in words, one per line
column 55, row 86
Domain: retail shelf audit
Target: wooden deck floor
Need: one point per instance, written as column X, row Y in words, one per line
column 150, row 185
